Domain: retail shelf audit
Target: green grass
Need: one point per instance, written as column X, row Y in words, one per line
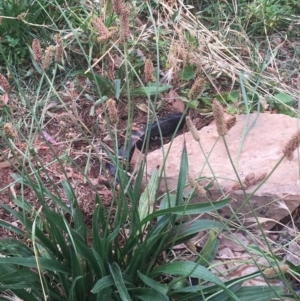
column 64, row 241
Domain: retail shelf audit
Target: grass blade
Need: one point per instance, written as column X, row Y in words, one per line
column 186, row 231
column 147, row 199
column 184, row 168
column 188, row 209
column 119, row 282
column 47, row 264
column 153, row 284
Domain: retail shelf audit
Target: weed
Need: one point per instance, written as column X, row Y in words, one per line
column 76, row 232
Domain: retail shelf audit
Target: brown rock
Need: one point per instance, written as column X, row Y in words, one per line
column 260, row 152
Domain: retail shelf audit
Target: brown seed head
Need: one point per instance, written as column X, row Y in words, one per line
column 192, row 128
column 275, row 272
column 197, row 88
column 148, row 71
column 251, row 179
column 261, row 177
column 201, row 192
column 100, row 28
column 230, row 122
column 4, row 83
column 117, row 6
column 59, row 49
column 49, row 52
column 2, row 102
column 112, row 111
column 111, row 68
column 125, row 22
column 10, row 131
column 292, row 145
column 37, row 50
column 219, row 118
column 235, row 186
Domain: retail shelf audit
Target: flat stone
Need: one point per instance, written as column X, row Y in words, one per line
column 259, row 153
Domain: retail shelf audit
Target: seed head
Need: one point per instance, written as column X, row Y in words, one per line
column 100, row 28
column 201, row 192
column 111, row 68
column 37, row 50
column 192, row 128
column 112, row 111
column 219, row 118
column 59, row 49
column 4, row 83
column 197, row 88
column 3, row 100
column 251, row 179
column 261, row 177
column 148, row 71
column 117, row 6
column 10, row 131
column 49, row 52
column 292, row 145
column 275, row 272
column 230, row 122
column 125, row 22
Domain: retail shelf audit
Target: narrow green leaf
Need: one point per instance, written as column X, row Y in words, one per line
column 185, row 269
column 14, row 286
column 103, row 283
column 191, row 269
column 10, row 227
column 147, row 199
column 80, row 226
column 77, row 265
column 57, row 235
column 46, row 264
column 41, row 192
column 104, row 84
column 22, row 203
column 185, row 231
column 88, row 254
column 168, row 201
column 43, row 239
column 14, row 247
column 148, row 294
column 100, row 262
column 210, row 249
column 117, row 83
column 119, row 282
column 153, row 284
column 184, row 168
column 193, row 293
column 258, row 293
column 188, row 209
column 72, row 290
column 152, row 89
column 188, row 72
column 19, row 275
